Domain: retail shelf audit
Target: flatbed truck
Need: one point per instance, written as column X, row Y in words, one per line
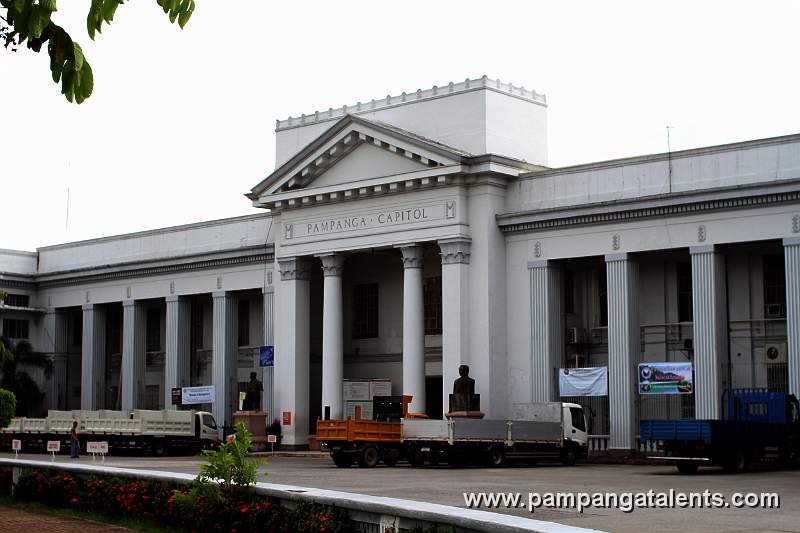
column 156, row 432
column 759, row 425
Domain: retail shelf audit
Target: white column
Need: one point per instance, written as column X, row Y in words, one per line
column 134, row 315
column 93, row 355
column 624, row 346
column 178, row 330
column 55, row 346
column 223, row 357
column 332, row 336
column 292, row 365
column 455, row 312
column 413, row 328
column 791, row 254
column 547, row 338
column 710, row 310
column 268, row 372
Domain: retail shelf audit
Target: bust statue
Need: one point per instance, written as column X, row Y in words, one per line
column 464, row 399
column 252, row 399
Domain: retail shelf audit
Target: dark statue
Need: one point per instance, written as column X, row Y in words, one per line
column 464, row 398
column 252, row 399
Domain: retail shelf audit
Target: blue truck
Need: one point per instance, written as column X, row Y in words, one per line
column 758, row 425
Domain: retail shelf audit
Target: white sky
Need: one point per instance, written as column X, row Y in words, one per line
column 181, row 122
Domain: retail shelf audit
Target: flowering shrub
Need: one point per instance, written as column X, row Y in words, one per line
column 197, row 507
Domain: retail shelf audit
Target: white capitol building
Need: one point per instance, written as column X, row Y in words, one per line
column 404, row 236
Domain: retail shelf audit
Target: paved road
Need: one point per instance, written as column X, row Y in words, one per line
column 14, row 520
column 447, row 486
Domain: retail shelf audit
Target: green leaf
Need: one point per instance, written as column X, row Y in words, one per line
column 77, row 56
column 49, row 5
column 186, row 12
column 109, row 8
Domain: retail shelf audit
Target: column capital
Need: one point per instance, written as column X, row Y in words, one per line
column 268, row 290
column 88, row 307
column 293, row 268
column 625, row 256
column 412, row 255
column 705, row 249
column 220, row 294
column 791, row 241
column 172, row 298
column 455, row 251
column 332, row 264
column 544, row 263
column 129, row 303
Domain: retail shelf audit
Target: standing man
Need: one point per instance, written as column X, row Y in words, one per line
column 252, row 399
column 74, row 444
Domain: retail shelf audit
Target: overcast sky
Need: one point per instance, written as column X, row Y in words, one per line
column 181, row 122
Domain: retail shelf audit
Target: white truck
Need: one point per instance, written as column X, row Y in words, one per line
column 544, row 430
column 156, row 432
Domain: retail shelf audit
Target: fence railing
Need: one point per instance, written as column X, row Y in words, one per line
column 369, row 514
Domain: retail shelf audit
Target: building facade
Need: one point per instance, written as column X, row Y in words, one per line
column 405, row 236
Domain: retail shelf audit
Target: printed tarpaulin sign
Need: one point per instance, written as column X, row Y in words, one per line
column 583, row 381
column 266, row 356
column 665, row 378
column 194, row 395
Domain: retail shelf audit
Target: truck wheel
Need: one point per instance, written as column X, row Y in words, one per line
column 687, row 467
column 496, row 456
column 738, row 462
column 416, row 458
column 568, row 457
column 369, row 457
column 342, row 460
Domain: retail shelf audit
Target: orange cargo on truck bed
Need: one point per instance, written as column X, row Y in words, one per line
column 358, row 430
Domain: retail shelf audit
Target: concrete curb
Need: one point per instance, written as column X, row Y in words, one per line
column 386, row 512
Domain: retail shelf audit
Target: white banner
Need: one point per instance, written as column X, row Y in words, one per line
column 583, row 381
column 194, row 395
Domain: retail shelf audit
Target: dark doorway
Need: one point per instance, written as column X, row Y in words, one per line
column 433, row 396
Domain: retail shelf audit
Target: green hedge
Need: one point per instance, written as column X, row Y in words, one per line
column 196, row 507
column 8, row 406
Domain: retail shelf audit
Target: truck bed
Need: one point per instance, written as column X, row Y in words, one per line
column 357, row 431
column 712, row 432
column 482, row 430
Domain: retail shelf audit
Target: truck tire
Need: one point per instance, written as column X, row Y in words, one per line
column 739, row 461
column 687, row 467
column 369, row 457
column 415, row 457
column 496, row 456
column 568, row 456
column 342, row 460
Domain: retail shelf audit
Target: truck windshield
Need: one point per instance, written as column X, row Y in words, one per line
column 578, row 422
column 208, row 421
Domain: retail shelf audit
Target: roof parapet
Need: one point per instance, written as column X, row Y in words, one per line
column 468, row 84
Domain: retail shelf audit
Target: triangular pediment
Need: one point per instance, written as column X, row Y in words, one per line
column 354, row 150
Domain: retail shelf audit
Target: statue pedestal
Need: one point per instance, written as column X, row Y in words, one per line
column 465, row 414
column 256, row 423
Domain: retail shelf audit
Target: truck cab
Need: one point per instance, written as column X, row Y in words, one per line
column 205, row 427
column 576, row 438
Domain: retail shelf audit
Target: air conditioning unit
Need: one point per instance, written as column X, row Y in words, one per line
column 775, row 353
column 575, row 335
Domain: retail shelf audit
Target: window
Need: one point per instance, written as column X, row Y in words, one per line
column 209, row 422
column 243, row 321
column 774, row 287
column 432, row 294
column 365, row 311
column 154, row 329
column 578, row 421
column 685, row 311
column 602, row 285
column 18, row 300
column 15, row 329
column 569, row 291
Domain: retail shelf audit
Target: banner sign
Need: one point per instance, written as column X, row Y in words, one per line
column 266, row 356
column 194, row 395
column 583, row 381
column 665, row 378
column 54, row 446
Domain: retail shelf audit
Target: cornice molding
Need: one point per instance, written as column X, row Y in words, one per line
column 625, row 215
